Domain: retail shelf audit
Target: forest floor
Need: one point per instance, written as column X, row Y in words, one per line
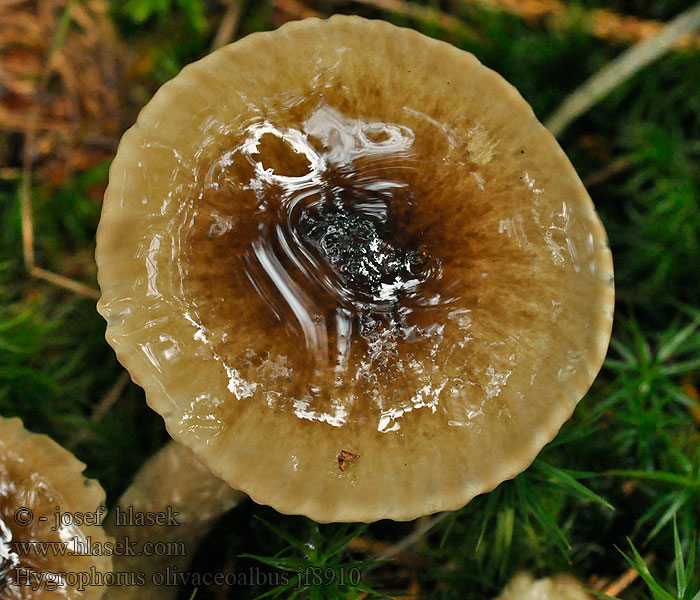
column 616, row 495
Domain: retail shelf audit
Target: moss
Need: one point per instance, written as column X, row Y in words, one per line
column 633, row 441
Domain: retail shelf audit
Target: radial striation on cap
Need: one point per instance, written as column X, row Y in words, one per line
column 352, row 271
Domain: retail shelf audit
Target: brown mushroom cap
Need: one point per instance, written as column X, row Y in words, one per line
column 352, row 271
column 37, row 478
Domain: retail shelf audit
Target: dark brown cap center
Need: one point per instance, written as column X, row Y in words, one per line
column 355, row 241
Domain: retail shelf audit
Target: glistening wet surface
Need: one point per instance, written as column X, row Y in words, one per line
column 38, row 478
column 8, row 558
column 334, row 266
column 344, row 258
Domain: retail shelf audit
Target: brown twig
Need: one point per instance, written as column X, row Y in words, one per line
column 603, row 23
column 110, row 397
column 692, row 392
column 65, row 282
column 22, row 124
column 423, row 526
column 621, row 69
column 610, row 170
column 229, row 24
column 625, row 580
column 296, row 9
column 10, row 173
column 446, row 22
column 103, row 407
column 27, row 219
column 366, row 545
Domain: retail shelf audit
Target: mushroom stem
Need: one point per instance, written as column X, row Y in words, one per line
column 166, row 512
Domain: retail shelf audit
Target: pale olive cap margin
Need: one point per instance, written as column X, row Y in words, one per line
column 288, row 463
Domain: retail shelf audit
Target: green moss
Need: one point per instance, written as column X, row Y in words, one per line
column 632, row 443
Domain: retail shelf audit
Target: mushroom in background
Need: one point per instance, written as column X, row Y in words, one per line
column 352, row 271
column 559, row 587
column 174, row 481
column 40, row 481
column 39, row 478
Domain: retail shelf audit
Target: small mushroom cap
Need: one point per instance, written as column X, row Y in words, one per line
column 559, row 587
column 38, row 478
column 352, row 271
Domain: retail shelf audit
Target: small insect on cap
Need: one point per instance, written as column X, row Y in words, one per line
column 52, row 545
column 352, row 271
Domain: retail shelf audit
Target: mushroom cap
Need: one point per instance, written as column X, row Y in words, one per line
column 559, row 587
column 352, row 271
column 38, row 478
